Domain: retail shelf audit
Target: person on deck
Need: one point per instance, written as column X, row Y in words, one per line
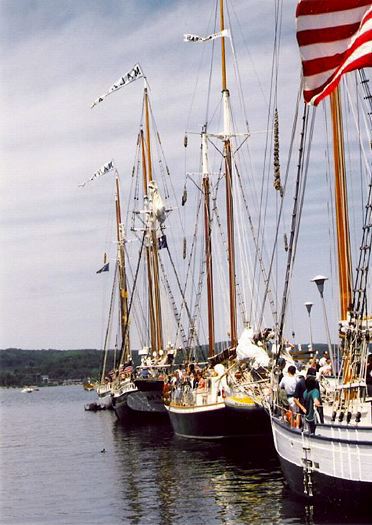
column 288, row 383
column 311, row 402
column 369, row 375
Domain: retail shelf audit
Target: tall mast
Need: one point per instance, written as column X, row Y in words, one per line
column 208, row 244
column 123, row 290
column 342, row 220
column 229, row 193
column 154, row 242
column 148, row 255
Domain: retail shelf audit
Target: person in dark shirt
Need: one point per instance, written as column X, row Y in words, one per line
column 369, row 375
column 311, row 398
column 300, row 389
column 298, row 397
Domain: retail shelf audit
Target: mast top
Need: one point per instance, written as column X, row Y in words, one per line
column 223, row 50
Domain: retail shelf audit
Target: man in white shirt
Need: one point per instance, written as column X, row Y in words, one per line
column 288, row 383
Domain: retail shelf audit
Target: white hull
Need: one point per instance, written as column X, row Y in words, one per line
column 104, row 393
column 331, row 463
column 120, row 399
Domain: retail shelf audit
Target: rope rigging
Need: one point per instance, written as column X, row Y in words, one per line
column 296, row 214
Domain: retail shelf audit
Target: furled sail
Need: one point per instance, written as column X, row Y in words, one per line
column 247, row 349
column 157, row 203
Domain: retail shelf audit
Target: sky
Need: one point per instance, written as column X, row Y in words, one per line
column 57, row 57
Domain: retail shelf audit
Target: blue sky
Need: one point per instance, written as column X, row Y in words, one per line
column 56, row 58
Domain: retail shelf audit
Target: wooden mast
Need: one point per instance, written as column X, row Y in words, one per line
column 208, row 245
column 123, row 290
column 154, row 243
column 342, row 228
column 148, row 254
column 342, row 220
column 229, row 192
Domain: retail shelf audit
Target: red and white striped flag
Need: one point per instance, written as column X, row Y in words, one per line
column 335, row 36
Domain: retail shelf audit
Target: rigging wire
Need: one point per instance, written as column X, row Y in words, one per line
column 126, row 328
column 294, row 129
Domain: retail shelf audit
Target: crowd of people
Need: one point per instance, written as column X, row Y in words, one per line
column 299, row 393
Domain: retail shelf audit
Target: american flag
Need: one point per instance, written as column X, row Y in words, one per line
column 335, row 36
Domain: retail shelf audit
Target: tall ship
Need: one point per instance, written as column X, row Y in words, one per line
column 329, row 458
column 223, row 396
column 116, row 368
column 151, row 311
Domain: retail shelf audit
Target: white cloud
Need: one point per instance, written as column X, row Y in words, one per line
column 56, row 59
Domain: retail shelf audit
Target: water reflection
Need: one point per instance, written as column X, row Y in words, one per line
column 170, row 480
column 51, row 459
column 166, row 477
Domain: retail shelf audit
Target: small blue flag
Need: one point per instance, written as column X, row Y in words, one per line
column 162, row 242
column 105, row 268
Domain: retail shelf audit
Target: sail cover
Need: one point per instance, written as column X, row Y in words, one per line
column 335, row 37
column 156, row 201
column 247, row 349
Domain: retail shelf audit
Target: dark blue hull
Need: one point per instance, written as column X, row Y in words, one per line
column 220, row 422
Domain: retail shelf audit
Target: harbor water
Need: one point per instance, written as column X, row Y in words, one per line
column 63, row 465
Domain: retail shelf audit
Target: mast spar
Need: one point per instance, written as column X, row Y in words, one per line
column 152, row 250
column 123, row 289
column 208, row 245
column 229, row 188
column 342, row 220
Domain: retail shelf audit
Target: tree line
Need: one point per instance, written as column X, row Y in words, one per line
column 26, row 367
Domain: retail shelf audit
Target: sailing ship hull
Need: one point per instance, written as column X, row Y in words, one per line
column 120, row 401
column 200, row 422
column 218, row 421
column 105, row 396
column 148, row 398
column 333, row 464
column 106, row 400
column 120, row 406
column 252, row 419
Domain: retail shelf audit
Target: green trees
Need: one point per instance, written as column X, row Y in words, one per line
column 26, row 367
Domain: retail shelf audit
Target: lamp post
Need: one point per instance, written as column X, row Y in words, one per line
column 308, row 308
column 319, row 280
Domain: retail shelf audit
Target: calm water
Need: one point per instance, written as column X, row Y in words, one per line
column 53, row 471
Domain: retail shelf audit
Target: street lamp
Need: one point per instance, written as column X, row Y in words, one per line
column 308, row 308
column 319, row 280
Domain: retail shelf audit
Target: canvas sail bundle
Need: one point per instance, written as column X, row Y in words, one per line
column 334, row 38
column 247, row 349
column 157, row 202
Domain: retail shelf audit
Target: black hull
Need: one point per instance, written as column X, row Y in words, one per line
column 220, row 422
column 120, row 406
column 149, row 385
column 327, row 488
column 147, row 402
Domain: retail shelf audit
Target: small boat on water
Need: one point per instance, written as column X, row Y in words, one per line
column 94, row 407
column 329, row 458
column 27, row 390
column 88, row 386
